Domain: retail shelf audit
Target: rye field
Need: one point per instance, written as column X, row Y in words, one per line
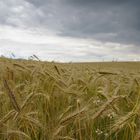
column 69, row 101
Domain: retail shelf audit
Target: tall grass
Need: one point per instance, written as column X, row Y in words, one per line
column 52, row 101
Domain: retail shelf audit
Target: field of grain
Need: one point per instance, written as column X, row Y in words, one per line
column 73, row 101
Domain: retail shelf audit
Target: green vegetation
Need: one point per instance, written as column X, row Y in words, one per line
column 75, row 101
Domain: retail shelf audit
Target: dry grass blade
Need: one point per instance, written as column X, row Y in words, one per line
column 17, row 133
column 65, row 138
column 122, row 121
column 80, row 113
column 64, row 113
column 136, row 82
column 57, row 131
column 24, row 104
column 56, row 68
column 104, row 73
column 26, row 100
column 105, row 106
column 11, row 96
column 36, row 57
column 21, row 66
column 33, row 121
column 7, row 117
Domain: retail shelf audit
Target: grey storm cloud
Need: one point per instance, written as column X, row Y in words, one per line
column 104, row 20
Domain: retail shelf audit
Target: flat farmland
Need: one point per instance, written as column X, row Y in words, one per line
column 69, row 101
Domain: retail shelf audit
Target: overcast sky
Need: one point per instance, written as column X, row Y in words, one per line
column 71, row 30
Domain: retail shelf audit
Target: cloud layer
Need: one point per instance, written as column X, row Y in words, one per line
column 71, row 30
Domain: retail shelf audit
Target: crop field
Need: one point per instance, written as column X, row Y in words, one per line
column 69, row 101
